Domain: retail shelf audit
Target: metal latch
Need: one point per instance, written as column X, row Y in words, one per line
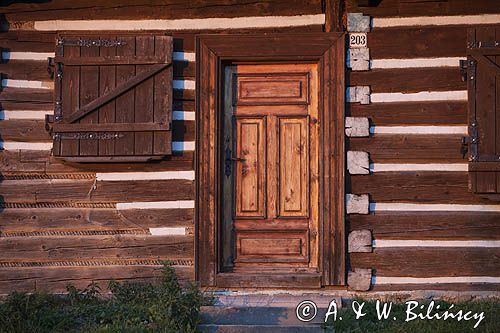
column 50, row 67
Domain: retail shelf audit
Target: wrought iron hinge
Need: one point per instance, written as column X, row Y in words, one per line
column 50, row 67
column 471, row 142
column 480, row 44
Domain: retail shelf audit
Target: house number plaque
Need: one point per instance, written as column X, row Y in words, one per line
column 357, row 40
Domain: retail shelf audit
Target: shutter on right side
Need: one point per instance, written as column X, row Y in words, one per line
column 483, row 61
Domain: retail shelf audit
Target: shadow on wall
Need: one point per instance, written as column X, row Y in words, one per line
column 6, row 3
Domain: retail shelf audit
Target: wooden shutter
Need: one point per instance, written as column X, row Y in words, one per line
column 483, row 63
column 113, row 97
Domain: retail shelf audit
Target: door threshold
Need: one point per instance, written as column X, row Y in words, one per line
column 268, row 280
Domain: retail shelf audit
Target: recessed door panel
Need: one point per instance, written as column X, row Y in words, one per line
column 250, row 168
column 293, row 167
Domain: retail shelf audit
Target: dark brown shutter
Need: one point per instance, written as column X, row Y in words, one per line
column 483, row 63
column 113, row 97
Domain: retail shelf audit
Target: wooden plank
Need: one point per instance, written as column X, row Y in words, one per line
column 485, row 112
column 416, row 187
column 429, row 225
column 25, row 70
column 408, row 80
column 56, row 279
column 425, row 262
column 27, row 41
column 70, row 94
column 66, row 249
column 144, row 97
column 424, row 8
column 31, row 95
column 143, row 9
column 245, row 280
column 125, row 103
column 89, row 92
column 410, row 148
column 24, row 130
column 410, row 113
column 416, row 42
column 41, row 161
column 21, row 220
column 163, row 96
column 446, row 287
column 83, row 190
column 107, row 112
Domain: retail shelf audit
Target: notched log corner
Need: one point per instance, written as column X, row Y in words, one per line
column 358, row 163
column 357, row 204
column 360, row 241
column 359, row 279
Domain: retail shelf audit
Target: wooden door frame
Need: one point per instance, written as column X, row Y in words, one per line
column 213, row 51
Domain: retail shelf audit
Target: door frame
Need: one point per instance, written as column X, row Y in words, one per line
column 213, row 52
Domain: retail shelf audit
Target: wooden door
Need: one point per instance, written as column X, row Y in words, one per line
column 271, row 176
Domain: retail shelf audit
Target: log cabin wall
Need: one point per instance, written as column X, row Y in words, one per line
column 429, row 230
column 75, row 223
column 66, row 223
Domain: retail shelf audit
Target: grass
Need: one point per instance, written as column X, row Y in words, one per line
column 132, row 307
column 370, row 322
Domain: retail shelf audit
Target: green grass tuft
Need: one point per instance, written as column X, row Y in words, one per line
column 132, row 307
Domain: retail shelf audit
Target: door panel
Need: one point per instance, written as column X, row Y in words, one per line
column 271, row 126
column 250, row 167
column 294, row 167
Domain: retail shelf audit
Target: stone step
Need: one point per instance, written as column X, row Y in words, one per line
column 213, row 328
column 225, row 315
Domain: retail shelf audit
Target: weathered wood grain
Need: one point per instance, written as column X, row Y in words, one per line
column 67, row 249
column 56, row 279
column 429, row 262
column 418, row 42
column 410, row 148
column 27, row 41
column 33, row 70
column 24, row 130
column 41, row 161
column 494, row 287
column 22, row 220
column 34, row 130
column 84, row 190
column 143, row 9
column 23, row 95
column 408, row 80
column 417, row 187
column 411, row 113
column 425, row 8
column 429, row 225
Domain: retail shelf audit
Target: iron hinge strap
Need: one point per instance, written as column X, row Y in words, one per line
column 481, row 44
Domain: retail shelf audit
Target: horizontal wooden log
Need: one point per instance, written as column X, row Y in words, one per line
column 41, row 161
column 387, row 148
column 84, row 190
column 446, row 287
column 410, row 80
column 67, row 220
column 417, row 42
column 67, row 249
column 425, row 8
column 22, row 95
column 32, row 70
column 27, row 41
column 144, row 9
column 24, row 130
column 429, row 225
column 429, row 262
column 36, row 70
column 416, row 187
column 411, row 113
column 56, row 279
